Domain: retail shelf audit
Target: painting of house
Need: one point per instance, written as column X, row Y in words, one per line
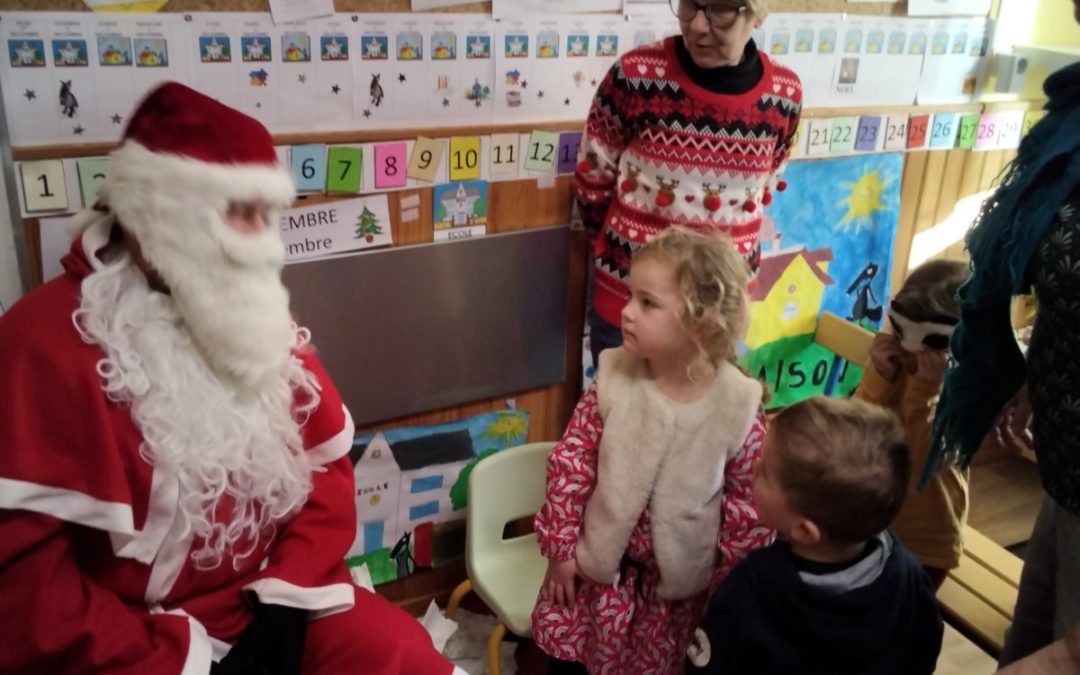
column 459, row 205
column 788, row 291
column 460, row 209
column 411, row 483
column 837, row 221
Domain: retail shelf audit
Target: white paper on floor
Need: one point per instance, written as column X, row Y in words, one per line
column 464, row 640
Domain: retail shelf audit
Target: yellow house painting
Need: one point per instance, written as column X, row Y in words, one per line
column 787, row 293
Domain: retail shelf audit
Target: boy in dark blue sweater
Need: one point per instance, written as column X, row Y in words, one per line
column 837, row 593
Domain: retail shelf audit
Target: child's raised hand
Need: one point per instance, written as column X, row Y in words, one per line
column 930, row 366
column 560, row 580
column 887, row 356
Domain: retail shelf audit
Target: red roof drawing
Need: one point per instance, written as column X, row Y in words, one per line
column 774, row 265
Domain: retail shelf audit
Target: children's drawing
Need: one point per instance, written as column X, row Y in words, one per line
column 826, row 244
column 853, row 41
column 607, row 45
column 517, row 46
column 577, row 44
column 256, row 48
column 114, row 50
column 296, row 47
column 375, row 47
column 804, row 40
column 412, row 490
column 547, row 45
column 26, row 53
column 479, row 46
column 461, row 204
column 779, row 43
column 875, row 42
column 215, row 49
column 410, row 46
column 334, row 47
column 897, row 41
column 443, row 46
column 151, row 53
column 68, row 53
column 917, row 44
column 959, row 43
column 827, row 41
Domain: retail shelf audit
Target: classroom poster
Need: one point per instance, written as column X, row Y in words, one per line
column 412, row 490
column 460, row 210
column 956, row 61
column 826, row 246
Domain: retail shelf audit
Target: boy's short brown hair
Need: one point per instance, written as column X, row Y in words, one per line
column 843, row 464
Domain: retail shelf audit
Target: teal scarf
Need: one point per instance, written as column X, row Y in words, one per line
column 989, row 368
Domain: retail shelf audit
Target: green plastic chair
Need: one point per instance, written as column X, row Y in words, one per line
column 505, row 573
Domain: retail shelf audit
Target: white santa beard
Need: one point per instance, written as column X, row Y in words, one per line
column 216, row 438
column 227, row 287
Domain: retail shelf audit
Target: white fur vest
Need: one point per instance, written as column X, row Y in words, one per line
column 667, row 457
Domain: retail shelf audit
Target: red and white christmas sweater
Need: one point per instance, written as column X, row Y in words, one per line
column 660, row 150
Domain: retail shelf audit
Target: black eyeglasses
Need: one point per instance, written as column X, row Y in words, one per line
column 718, row 16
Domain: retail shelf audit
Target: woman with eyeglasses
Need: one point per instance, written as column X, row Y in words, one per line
column 693, row 130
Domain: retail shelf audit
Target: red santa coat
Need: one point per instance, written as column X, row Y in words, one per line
column 95, row 576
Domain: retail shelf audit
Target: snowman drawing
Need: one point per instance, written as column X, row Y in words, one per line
column 333, row 49
column 517, row 47
column 26, row 54
column 255, row 50
column 69, row 55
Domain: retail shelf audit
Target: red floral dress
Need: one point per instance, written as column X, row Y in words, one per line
column 626, row 629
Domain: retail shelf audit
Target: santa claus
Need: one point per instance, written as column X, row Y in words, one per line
column 175, row 490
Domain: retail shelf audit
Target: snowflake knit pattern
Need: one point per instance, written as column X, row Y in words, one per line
column 660, row 150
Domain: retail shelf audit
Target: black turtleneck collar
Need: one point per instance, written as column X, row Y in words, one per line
column 723, row 79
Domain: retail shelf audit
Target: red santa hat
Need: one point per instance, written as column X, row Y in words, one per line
column 185, row 146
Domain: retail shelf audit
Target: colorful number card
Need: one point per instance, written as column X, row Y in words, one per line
column 464, row 158
column 540, row 155
column 866, row 136
column 843, row 135
column 917, row 129
column 817, row 142
column 343, row 164
column 569, row 143
column 425, row 159
column 44, row 188
column 969, row 126
column 92, row 172
column 309, row 167
column 1012, row 126
column 989, row 127
column 390, row 165
column 503, row 156
column 1031, row 118
column 943, row 131
column 896, row 132
column 798, row 141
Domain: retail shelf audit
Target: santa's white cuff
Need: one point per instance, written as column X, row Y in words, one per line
column 320, row 600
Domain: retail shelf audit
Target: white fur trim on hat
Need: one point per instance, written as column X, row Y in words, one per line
column 135, row 170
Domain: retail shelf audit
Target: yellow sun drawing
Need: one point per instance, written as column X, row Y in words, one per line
column 863, row 200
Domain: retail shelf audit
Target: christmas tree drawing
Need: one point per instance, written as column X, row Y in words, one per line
column 368, row 226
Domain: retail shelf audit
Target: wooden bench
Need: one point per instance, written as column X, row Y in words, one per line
column 979, row 596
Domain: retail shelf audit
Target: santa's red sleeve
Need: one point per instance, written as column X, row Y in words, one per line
column 305, row 567
column 54, row 619
column 571, row 477
column 741, row 529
